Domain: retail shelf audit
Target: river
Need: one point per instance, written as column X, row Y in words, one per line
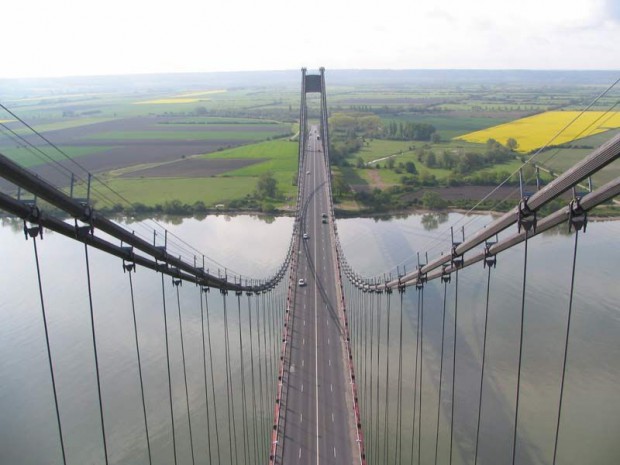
column 255, row 247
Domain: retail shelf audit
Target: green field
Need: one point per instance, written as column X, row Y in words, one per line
column 281, row 161
column 28, row 157
column 232, row 116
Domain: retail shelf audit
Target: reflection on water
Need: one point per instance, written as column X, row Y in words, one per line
column 252, row 246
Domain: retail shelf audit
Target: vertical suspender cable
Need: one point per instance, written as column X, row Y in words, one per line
column 261, row 400
column 365, row 405
column 443, row 327
column 399, row 399
column 371, row 417
column 92, row 324
column 189, row 416
column 204, row 359
column 415, row 377
column 421, row 366
column 174, row 443
column 456, row 308
column 217, row 431
column 269, row 375
column 514, row 439
column 244, row 407
column 135, row 330
column 570, row 311
column 49, row 353
column 232, row 429
column 377, row 410
column 387, row 388
column 255, row 418
column 484, row 351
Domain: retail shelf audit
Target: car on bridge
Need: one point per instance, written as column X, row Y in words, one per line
column 302, row 282
column 305, row 236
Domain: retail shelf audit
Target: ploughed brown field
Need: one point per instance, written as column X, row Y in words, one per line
column 127, row 152
column 193, row 168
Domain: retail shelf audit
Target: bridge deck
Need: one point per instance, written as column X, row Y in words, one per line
column 319, row 420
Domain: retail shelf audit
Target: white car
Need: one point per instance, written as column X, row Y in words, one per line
column 307, row 172
column 302, row 282
column 305, row 236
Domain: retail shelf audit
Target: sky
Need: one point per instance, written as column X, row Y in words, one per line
column 43, row 38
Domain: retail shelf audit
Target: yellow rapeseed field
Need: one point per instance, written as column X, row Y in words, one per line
column 2, row 121
column 205, row 92
column 535, row 131
column 166, row 101
column 190, row 97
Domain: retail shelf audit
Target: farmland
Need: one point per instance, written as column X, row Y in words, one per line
column 553, row 127
column 209, row 138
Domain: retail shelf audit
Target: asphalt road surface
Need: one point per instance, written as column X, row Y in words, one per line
column 319, row 420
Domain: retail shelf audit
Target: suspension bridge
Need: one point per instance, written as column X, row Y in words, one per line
column 295, row 368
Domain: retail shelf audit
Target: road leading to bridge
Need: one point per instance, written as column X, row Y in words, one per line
column 319, row 420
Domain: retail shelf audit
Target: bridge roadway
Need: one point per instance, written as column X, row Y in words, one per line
column 319, row 419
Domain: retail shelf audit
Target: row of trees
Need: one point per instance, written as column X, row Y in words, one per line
column 407, row 130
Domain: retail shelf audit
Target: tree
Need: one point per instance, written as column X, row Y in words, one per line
column 390, row 163
column 266, row 187
column 512, row 144
column 433, row 201
column 410, row 168
column 360, row 162
column 435, row 138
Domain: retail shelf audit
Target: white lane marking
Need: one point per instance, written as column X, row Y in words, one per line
column 327, row 341
column 302, row 362
column 331, row 387
column 332, row 417
column 303, row 341
column 302, row 387
column 334, row 452
column 330, row 362
column 301, row 417
column 299, row 452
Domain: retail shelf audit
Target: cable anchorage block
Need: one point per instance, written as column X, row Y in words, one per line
column 177, row 282
column 526, row 218
column 578, row 217
column 490, row 259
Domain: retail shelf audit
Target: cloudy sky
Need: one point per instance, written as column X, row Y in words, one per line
column 64, row 37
